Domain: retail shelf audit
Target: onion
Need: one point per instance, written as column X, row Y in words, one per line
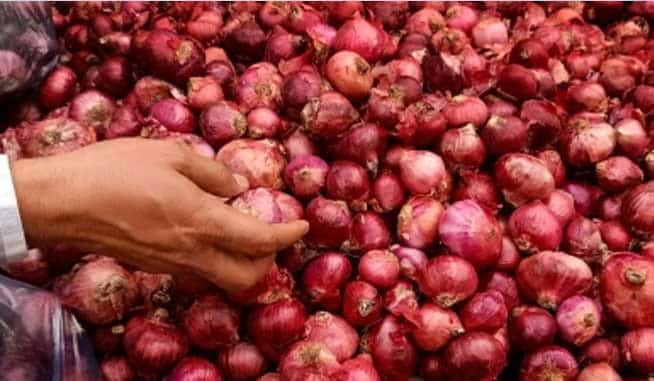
column 349, row 182
column 530, row 53
column 360, row 368
column 259, row 86
column 562, row 206
column 544, row 121
column 417, row 222
column 550, row 277
column 221, row 122
column 260, row 162
column 328, row 115
column 631, row 138
column 462, row 148
column 478, row 187
column 586, row 141
column 401, row 300
column 627, row 290
column 551, row 362
column 170, row 56
column 307, row 360
column 156, row 290
column 490, row 31
column 380, row 268
column 297, row 143
column 363, row 144
column 203, row 91
column 531, row 328
column 269, row 377
column 195, row 368
column 99, row 291
column 149, row 90
column 394, row 354
column 578, row 319
column 298, row 88
column 534, row 227
column 115, row 44
column 443, row 71
column 362, row 304
column 426, row 21
column 504, row 284
column 462, row 110
column 619, row 74
column 618, row 173
column 107, row 339
column 305, row 175
column 434, row 327
column 33, row 268
column 263, row 123
column 504, row 134
column 242, row 362
column 474, row 356
column 125, row 121
column 152, row 344
column 522, row 178
column 332, row 332
column 173, row 115
column 116, row 369
column 115, row 76
column 583, row 239
column 387, row 192
column 518, row 82
column 448, row 280
column 637, row 207
column 392, row 14
column 648, row 250
column 93, row 109
column 610, row 208
column 350, row 74
column 368, row 232
column 276, row 285
column 461, row 17
column 601, row 350
column 283, row 46
column 360, row 36
column 272, row 14
column 469, row 230
column 421, row 123
column 58, row 88
column 424, row 172
column 599, row 371
column 637, row 350
column 586, row 196
column 485, row 311
column 273, row 327
column 329, row 221
column 587, row 96
column 211, row 323
column 324, row 277
column 412, row 261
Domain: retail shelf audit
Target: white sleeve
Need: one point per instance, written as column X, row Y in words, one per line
column 13, row 247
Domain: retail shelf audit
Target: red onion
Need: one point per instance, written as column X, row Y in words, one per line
column 107, row 339
column 586, row 196
column 637, row 350
column 631, row 138
column 328, row 115
column 587, row 96
column 518, row 82
column 242, row 362
column 33, row 268
column 637, row 207
column 534, row 227
column 350, row 74
column 368, row 232
column 297, row 88
column 462, row 148
column 583, row 239
column 401, row 300
column 263, row 123
column 115, row 44
column 504, row 134
column 531, row 328
column 170, row 56
column 380, row 268
column 474, row 356
column 601, row 350
column 173, row 115
column 115, row 76
column 423, row 172
column 550, row 277
column 417, row 222
column 362, row 304
column 206, row 26
column 260, row 162
column 522, row 178
column 362, row 144
column 307, row 360
column 392, row 14
column 297, row 144
column 562, row 206
column 504, row 284
column 211, row 323
column 196, row 369
column 485, row 311
column 421, row 123
column 246, row 41
column 52, row 136
column 530, row 53
column 332, row 332
column 599, row 371
column 433, row 327
column 305, row 175
column 426, row 21
column 93, row 109
column 269, row 377
column 619, row 74
column 203, row 91
column 586, row 142
column 360, row 368
column 394, row 354
column 282, row 46
column 618, row 173
column 125, row 121
column 509, row 256
column 362, row 37
column 349, row 182
column 149, row 90
column 648, row 250
column 273, row 327
column 155, row 289
column 469, row 230
column 443, row 71
column 610, row 208
column 544, row 121
column 448, row 280
column 463, row 109
column 152, row 344
column 324, row 277
column 276, row 285
column 259, row 86
column 387, row 192
column 461, row 17
column 412, row 261
column 627, row 290
column 578, row 319
column 489, row 32
column 116, row 369
column 57, row 88
column 221, row 122
column 272, row 14
column 551, row 362
column 99, row 291
column 329, row 221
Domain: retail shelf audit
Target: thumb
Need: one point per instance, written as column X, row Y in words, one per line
column 212, row 176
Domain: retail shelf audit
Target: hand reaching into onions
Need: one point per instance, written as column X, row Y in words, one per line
column 151, row 204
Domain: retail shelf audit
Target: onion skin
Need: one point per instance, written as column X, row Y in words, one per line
column 485, row 311
column 504, row 134
column 552, row 362
column 242, row 362
column 171, row 57
column 463, row 109
column 627, row 291
column 360, row 368
column 533, row 227
column 637, row 350
column 349, row 182
column 417, row 222
column 631, row 138
column 448, row 280
column 478, row 186
column 550, row 277
column 195, row 368
column 504, row 284
column 522, row 178
column 173, row 115
column 350, row 74
column 601, row 350
column 578, row 319
column 363, row 144
column 424, row 172
column 329, row 221
column 362, row 304
column 462, row 148
column 599, row 371
column 221, row 122
column 562, row 206
column 618, row 173
column 433, row 327
column 412, row 261
column 324, row 277
column 305, row 175
column 583, row 239
column 211, row 323
column 484, row 363
column 380, row 268
column 362, row 37
column 116, row 369
column 637, row 207
column 586, row 141
column 554, row 164
column 58, row 88
column 387, row 192
column 307, row 360
column 531, row 328
column 332, row 332
column 586, row 196
column 328, row 115
column 394, row 354
column 274, row 326
column 469, row 230
column 259, row 162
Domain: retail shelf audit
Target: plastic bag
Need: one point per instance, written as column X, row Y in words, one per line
column 39, row 340
column 28, row 46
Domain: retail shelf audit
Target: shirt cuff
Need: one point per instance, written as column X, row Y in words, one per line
column 13, row 247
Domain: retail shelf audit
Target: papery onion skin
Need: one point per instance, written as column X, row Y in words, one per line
column 360, row 368
column 305, row 175
column 333, row 332
column 242, row 362
column 504, row 134
column 173, row 115
column 393, row 352
column 349, row 182
column 562, row 206
column 329, row 221
column 448, row 280
column 586, row 142
column 362, row 304
column 259, row 162
column 222, row 122
column 522, row 178
column 601, row 350
column 328, row 115
column 433, row 327
column 211, row 323
column 324, row 277
column 533, row 227
column 380, row 268
column 274, row 326
column 484, row 363
column 552, row 362
column 503, row 283
column 307, row 360
column 387, row 192
column 550, row 277
column 417, row 222
column 627, row 290
column 554, row 164
column 599, row 371
column 412, row 261
column 478, row 186
column 350, row 74
column 631, row 138
column 424, row 172
column 586, row 196
column 618, row 173
column 637, row 208
column 485, row 311
column 195, row 368
column 532, row 328
column 636, row 347
column 117, row 369
column 578, row 319
column 583, row 239
column 57, row 88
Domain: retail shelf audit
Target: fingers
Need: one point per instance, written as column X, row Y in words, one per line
column 211, row 175
column 235, row 273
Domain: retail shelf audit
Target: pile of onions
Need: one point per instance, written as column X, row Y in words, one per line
column 478, row 179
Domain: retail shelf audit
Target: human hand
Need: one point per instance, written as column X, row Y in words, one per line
column 151, row 204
